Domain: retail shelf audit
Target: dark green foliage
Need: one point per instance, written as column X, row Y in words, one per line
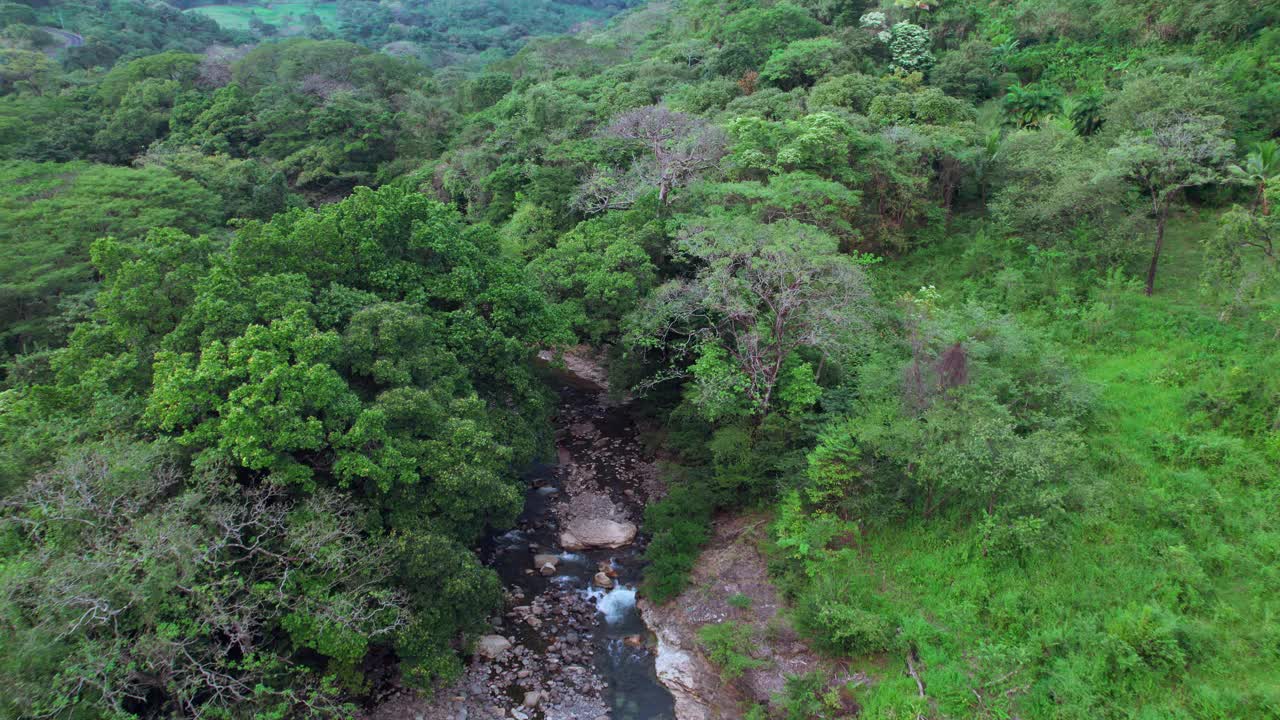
column 1086, row 113
column 1027, row 106
column 480, row 27
column 847, row 283
column 600, row 271
column 116, row 29
column 352, row 386
column 679, row 524
column 158, row 565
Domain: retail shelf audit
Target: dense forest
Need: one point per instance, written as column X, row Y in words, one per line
column 975, row 303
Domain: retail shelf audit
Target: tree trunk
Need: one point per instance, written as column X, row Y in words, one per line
column 1155, row 255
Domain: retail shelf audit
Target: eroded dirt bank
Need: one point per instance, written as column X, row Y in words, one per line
column 732, row 566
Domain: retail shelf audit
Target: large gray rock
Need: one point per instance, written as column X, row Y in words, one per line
column 587, row 533
column 492, row 646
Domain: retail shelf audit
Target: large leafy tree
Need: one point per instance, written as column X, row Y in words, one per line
column 678, row 147
column 350, row 381
column 258, row 372
column 759, row 295
column 599, row 271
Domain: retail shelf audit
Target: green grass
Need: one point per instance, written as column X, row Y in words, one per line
column 280, row 14
column 1163, row 600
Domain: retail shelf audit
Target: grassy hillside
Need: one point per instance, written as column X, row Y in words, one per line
column 1159, row 599
column 287, row 16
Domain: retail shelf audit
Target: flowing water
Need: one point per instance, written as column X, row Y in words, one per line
column 599, row 453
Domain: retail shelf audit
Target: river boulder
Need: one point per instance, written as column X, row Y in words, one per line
column 492, row 647
column 587, row 533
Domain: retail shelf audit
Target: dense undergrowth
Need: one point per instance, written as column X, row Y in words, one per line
column 979, row 300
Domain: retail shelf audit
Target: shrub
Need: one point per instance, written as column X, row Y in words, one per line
column 728, row 645
column 855, row 630
column 845, row 615
column 679, row 523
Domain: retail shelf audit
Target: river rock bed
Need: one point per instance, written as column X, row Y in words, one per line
column 570, row 644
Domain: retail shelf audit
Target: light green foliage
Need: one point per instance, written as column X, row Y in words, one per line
column 259, row 399
column 26, row 70
column 809, row 697
column 909, row 45
column 280, row 14
column 926, row 106
column 852, row 92
column 987, row 426
column 148, row 283
column 54, row 211
column 1159, row 96
column 728, row 645
column 801, row 196
column 599, row 272
column 821, row 143
column 769, row 27
column 1081, row 630
column 1051, row 187
column 172, row 67
column 800, row 63
column 762, row 293
column 836, row 481
column 847, row 615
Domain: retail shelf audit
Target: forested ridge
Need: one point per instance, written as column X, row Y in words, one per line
column 975, row 303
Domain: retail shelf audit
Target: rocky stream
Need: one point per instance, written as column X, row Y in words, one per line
column 571, row 644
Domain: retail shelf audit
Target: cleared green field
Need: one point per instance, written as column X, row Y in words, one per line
column 280, row 14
